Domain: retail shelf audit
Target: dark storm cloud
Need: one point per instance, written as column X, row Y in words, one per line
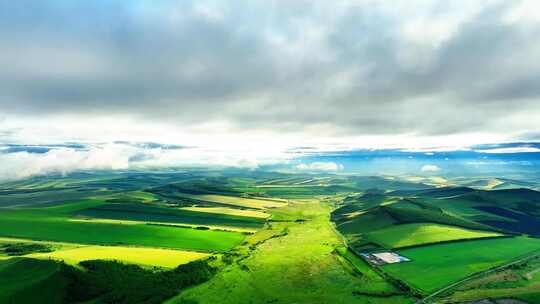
column 285, row 65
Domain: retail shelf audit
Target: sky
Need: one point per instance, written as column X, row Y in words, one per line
column 244, row 83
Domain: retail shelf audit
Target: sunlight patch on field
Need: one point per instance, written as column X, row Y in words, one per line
column 229, row 211
column 142, row 256
column 238, row 201
column 422, row 233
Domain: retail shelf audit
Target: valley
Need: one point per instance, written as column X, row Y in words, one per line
column 275, row 237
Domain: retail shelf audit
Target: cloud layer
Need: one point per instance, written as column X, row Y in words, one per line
column 20, row 161
column 314, row 67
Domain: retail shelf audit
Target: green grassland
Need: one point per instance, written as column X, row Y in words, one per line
column 433, row 267
column 520, row 281
column 292, row 262
column 374, row 219
column 154, row 213
column 268, row 237
column 371, row 281
column 23, row 223
column 405, row 235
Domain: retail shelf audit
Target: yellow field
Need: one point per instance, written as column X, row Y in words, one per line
column 229, row 211
column 237, row 201
column 145, row 196
column 142, row 256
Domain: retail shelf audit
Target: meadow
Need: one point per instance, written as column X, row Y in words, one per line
column 154, row 213
column 292, row 262
column 372, row 282
column 23, row 223
column 405, row 235
column 520, row 281
column 235, row 236
column 433, row 267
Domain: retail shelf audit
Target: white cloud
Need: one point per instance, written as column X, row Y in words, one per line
column 123, row 156
column 432, row 150
column 510, row 150
column 63, row 160
column 320, row 166
column 430, row 168
column 177, row 69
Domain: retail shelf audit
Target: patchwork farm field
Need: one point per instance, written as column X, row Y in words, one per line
column 142, row 235
column 294, row 262
column 22, row 224
column 433, row 267
column 232, row 237
column 151, row 213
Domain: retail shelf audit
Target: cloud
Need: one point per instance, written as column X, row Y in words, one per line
column 510, row 150
column 25, row 162
column 317, row 67
column 430, row 168
column 320, row 166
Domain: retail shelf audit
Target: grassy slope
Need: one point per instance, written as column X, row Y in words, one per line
column 433, row 267
column 298, row 267
column 423, row 233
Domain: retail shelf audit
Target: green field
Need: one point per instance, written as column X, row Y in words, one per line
column 153, row 213
column 23, row 223
column 405, row 235
column 292, row 262
column 257, row 237
column 433, row 267
column 372, row 282
column 520, row 281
